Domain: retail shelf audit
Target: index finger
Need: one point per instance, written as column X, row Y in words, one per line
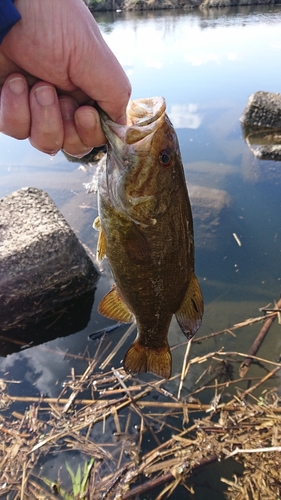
column 99, row 74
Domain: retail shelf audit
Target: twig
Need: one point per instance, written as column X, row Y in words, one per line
column 248, row 322
column 245, row 365
column 254, row 387
column 268, row 309
column 165, row 478
column 23, row 481
column 243, row 355
column 269, row 449
column 221, row 384
column 135, row 405
column 75, row 393
column 184, row 371
column 149, row 485
column 118, row 346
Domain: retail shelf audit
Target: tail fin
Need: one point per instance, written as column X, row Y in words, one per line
column 140, row 359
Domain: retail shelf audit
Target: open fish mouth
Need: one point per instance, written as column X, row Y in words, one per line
column 128, row 178
column 142, row 112
column 143, row 117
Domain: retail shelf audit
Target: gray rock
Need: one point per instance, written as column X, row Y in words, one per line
column 42, row 263
column 261, row 125
column 262, row 110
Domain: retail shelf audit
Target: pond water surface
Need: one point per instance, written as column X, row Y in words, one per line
column 206, row 65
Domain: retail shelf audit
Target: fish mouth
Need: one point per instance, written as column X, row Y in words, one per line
column 142, row 120
column 128, row 146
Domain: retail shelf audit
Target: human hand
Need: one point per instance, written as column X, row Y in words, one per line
column 54, row 64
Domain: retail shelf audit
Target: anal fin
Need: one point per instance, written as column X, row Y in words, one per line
column 189, row 315
column 140, row 359
column 113, row 307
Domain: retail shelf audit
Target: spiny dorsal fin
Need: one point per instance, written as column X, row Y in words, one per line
column 189, row 315
column 113, row 307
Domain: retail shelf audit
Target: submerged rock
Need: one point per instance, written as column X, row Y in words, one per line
column 210, row 209
column 256, row 171
column 42, row 262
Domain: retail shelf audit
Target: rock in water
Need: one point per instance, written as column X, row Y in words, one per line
column 261, row 125
column 42, row 262
column 262, row 110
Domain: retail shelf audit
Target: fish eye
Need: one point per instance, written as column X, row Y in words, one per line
column 166, row 157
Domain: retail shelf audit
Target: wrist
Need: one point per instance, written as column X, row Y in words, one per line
column 9, row 16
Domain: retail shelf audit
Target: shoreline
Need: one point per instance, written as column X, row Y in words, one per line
column 145, row 5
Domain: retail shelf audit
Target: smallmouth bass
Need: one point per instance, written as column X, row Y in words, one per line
column 146, row 233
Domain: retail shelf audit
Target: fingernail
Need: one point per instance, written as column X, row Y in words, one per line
column 81, row 155
column 86, row 120
column 17, row 85
column 45, row 95
column 67, row 107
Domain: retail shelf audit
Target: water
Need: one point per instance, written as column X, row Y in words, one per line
column 206, row 65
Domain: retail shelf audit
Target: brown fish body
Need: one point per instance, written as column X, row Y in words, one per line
column 147, row 236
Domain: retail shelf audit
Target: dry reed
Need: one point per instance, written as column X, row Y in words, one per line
column 185, row 433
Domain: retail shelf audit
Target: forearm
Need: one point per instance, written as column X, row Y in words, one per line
column 8, row 17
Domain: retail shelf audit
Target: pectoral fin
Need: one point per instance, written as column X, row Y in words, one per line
column 190, row 313
column 112, row 306
column 101, row 245
column 96, row 223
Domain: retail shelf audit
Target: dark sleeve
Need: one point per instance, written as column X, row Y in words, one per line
column 8, row 17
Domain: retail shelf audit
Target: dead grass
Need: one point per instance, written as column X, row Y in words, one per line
column 185, row 433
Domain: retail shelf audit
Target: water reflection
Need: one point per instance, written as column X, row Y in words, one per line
column 69, row 317
column 184, row 115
